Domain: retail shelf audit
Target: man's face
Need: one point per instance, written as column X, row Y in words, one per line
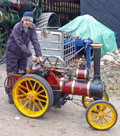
column 27, row 23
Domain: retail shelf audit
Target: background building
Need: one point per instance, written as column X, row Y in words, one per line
column 105, row 11
column 66, row 9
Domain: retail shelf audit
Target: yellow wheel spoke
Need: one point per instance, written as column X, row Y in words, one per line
column 101, row 121
column 105, row 120
column 95, row 117
column 56, row 62
column 21, row 95
column 29, row 104
column 96, row 109
column 108, row 112
column 24, row 99
column 42, row 96
column 21, row 91
column 50, row 62
column 107, row 116
column 33, row 106
column 104, row 108
column 36, row 105
column 25, row 104
column 40, row 92
column 21, row 86
column 94, row 113
column 34, row 86
column 42, row 100
column 38, row 88
column 98, row 120
column 30, row 84
column 27, row 85
column 40, row 104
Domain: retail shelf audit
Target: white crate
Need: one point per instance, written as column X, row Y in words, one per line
column 52, row 44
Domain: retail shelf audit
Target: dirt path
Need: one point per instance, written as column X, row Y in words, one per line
column 68, row 121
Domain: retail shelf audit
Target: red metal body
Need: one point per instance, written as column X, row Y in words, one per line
column 52, row 80
column 75, row 88
column 12, row 79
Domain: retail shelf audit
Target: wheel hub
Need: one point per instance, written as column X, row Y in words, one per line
column 101, row 116
column 31, row 95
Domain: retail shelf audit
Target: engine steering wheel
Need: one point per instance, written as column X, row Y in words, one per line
column 54, row 61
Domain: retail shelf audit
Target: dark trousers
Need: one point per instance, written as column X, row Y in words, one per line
column 14, row 65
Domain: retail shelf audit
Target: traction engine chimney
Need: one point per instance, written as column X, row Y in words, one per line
column 97, row 55
column 96, row 85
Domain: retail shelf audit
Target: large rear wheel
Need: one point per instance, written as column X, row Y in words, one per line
column 32, row 95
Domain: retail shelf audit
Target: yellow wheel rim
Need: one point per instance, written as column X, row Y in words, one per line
column 105, row 97
column 87, row 100
column 101, row 116
column 30, row 97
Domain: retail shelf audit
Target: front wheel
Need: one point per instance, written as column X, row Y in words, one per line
column 32, row 95
column 101, row 115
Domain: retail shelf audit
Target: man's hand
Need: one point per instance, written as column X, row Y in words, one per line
column 34, row 58
column 40, row 59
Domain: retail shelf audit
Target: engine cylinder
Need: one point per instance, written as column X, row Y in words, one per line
column 82, row 74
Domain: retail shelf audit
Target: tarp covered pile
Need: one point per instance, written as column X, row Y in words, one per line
column 88, row 27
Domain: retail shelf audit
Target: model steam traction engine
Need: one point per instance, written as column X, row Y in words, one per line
column 11, row 12
column 41, row 88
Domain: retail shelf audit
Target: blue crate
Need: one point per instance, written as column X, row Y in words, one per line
column 80, row 44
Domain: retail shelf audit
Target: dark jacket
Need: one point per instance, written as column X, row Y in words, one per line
column 17, row 45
